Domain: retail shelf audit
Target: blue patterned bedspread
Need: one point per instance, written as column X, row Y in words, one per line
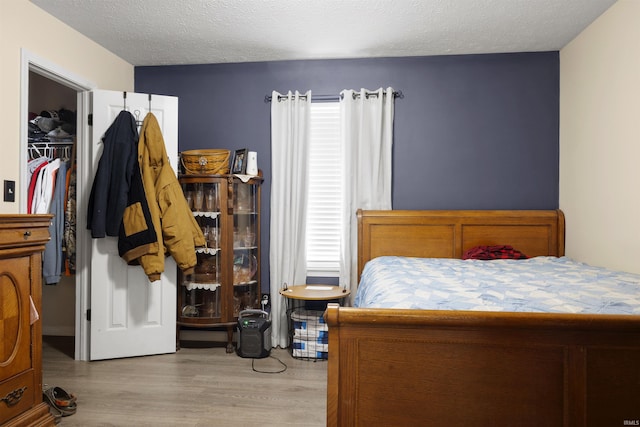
column 540, row 284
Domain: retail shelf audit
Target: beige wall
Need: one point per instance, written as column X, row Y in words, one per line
column 23, row 25
column 600, row 140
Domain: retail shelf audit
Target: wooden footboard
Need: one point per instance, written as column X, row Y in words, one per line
column 456, row 368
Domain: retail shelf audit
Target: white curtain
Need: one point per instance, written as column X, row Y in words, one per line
column 290, row 116
column 367, row 132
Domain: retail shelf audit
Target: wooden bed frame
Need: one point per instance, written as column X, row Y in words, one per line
column 459, row 368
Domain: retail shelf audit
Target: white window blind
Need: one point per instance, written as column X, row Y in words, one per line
column 324, row 221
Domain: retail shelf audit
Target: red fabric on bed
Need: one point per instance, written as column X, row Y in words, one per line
column 493, row 252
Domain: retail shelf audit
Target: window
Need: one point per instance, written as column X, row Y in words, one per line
column 324, row 210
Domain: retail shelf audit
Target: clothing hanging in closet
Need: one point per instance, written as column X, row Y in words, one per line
column 47, row 193
column 53, row 255
column 70, row 219
column 51, row 169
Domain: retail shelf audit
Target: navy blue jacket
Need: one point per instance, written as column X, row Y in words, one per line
column 110, row 189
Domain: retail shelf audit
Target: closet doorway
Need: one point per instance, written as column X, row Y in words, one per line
column 52, row 122
column 46, row 87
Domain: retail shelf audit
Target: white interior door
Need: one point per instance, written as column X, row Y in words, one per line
column 129, row 315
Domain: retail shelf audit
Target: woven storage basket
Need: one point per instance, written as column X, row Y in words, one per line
column 206, row 162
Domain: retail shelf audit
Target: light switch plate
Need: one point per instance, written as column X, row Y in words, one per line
column 9, row 191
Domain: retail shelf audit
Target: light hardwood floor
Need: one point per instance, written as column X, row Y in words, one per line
column 193, row 387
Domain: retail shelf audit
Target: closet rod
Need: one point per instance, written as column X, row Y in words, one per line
column 325, row 98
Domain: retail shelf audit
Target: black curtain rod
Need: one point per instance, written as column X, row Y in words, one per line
column 325, row 98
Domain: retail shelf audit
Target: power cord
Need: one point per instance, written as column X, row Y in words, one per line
column 253, row 361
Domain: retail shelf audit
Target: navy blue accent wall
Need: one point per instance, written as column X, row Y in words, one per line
column 472, row 131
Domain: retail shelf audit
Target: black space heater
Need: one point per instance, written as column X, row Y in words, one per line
column 254, row 334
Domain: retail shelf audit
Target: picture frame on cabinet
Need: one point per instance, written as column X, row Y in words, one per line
column 239, row 163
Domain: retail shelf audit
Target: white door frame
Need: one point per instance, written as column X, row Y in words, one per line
column 46, row 68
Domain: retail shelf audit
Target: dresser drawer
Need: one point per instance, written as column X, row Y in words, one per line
column 16, row 237
column 17, row 395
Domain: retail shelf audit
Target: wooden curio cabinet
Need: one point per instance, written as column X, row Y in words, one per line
column 226, row 279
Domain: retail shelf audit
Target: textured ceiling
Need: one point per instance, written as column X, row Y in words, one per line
column 163, row 32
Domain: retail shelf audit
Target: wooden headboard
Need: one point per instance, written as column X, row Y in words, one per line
column 449, row 233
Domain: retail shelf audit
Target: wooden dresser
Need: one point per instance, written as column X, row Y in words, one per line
column 22, row 240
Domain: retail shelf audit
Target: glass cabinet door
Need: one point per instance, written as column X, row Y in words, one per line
column 201, row 293
column 246, row 287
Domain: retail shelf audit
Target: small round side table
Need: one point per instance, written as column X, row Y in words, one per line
column 315, row 292
column 308, row 338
